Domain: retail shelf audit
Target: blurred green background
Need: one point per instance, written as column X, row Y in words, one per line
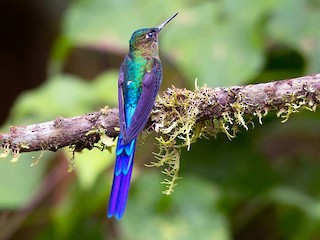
column 61, row 58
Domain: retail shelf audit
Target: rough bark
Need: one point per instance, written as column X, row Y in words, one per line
column 283, row 97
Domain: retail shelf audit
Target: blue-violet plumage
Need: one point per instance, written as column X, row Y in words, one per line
column 140, row 77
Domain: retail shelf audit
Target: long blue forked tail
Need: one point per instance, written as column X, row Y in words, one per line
column 121, row 178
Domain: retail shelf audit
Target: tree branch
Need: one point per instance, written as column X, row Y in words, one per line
column 228, row 104
column 79, row 132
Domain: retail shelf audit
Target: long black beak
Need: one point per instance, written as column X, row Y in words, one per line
column 165, row 23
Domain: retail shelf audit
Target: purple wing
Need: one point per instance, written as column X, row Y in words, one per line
column 151, row 83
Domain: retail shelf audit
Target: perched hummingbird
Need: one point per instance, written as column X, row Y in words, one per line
column 139, row 81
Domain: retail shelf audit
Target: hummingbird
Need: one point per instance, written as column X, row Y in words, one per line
column 139, row 80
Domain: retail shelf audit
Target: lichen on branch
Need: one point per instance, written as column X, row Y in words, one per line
column 77, row 133
column 180, row 117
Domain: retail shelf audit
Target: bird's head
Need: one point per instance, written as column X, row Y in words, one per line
column 146, row 39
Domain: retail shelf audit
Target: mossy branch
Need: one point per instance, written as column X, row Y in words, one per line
column 77, row 132
column 180, row 117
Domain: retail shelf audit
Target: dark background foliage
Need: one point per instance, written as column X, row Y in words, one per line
column 61, row 58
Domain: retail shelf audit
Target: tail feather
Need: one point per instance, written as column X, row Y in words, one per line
column 121, row 179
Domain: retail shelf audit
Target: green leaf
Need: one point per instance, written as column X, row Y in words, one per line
column 66, row 96
column 61, row 95
column 189, row 213
column 105, row 88
column 20, row 182
column 89, row 164
column 295, row 23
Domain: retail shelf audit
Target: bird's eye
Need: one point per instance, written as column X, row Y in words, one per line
column 150, row 35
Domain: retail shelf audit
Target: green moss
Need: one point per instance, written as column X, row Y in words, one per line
column 178, row 121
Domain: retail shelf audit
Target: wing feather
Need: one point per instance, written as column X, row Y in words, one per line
column 151, row 83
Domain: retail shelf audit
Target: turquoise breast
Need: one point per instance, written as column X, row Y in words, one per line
column 132, row 86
